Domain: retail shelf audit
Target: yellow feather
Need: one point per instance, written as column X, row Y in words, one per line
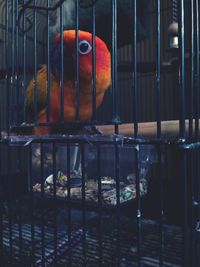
column 42, row 86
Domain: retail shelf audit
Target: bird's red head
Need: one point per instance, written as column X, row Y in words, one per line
column 84, row 44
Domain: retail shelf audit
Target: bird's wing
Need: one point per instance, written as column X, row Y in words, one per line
column 41, row 86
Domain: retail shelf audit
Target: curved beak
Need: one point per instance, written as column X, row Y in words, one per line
column 62, row 63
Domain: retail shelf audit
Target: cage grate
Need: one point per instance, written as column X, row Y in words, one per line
column 26, row 258
column 98, row 245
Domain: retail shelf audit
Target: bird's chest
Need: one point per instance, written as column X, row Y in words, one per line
column 73, row 103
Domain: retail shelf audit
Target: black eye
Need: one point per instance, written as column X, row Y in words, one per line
column 84, row 47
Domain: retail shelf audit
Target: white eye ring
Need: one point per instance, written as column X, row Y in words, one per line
column 84, row 47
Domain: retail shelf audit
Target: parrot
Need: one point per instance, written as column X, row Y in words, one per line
column 103, row 80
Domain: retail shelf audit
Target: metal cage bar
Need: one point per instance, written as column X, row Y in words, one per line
column 35, row 64
column 69, row 221
column 181, row 18
column 196, row 77
column 134, row 60
column 62, row 96
column 94, row 63
column 77, row 83
column 48, row 66
column 115, row 116
column 24, row 72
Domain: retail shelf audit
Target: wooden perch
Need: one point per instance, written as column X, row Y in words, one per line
column 146, row 129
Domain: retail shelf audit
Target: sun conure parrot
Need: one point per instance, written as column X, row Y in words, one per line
column 103, row 80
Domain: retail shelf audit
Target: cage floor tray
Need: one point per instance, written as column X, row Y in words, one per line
column 104, row 192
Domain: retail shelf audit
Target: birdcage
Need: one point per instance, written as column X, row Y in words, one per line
column 99, row 162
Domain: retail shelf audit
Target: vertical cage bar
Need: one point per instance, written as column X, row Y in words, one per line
column 93, row 63
column 115, row 103
column 12, row 78
column 181, row 18
column 20, row 202
column 69, row 220
column 134, row 71
column 99, row 205
column 117, row 177
column 191, row 173
column 54, row 151
column 183, row 158
column 198, row 224
column 197, row 253
column 158, row 59
column 17, row 79
column 161, row 202
column 24, row 66
column 77, row 83
column 1, row 206
column 62, row 97
column 138, row 206
column 2, row 256
column 18, row 113
column 30, row 173
column 42, row 203
column 197, row 72
column 48, row 64
column 9, row 103
column 7, row 63
column 10, row 206
column 35, row 63
column 192, row 55
column 158, row 115
column 197, row 217
column 82, row 147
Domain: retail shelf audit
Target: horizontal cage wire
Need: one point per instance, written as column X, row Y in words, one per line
column 99, row 124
